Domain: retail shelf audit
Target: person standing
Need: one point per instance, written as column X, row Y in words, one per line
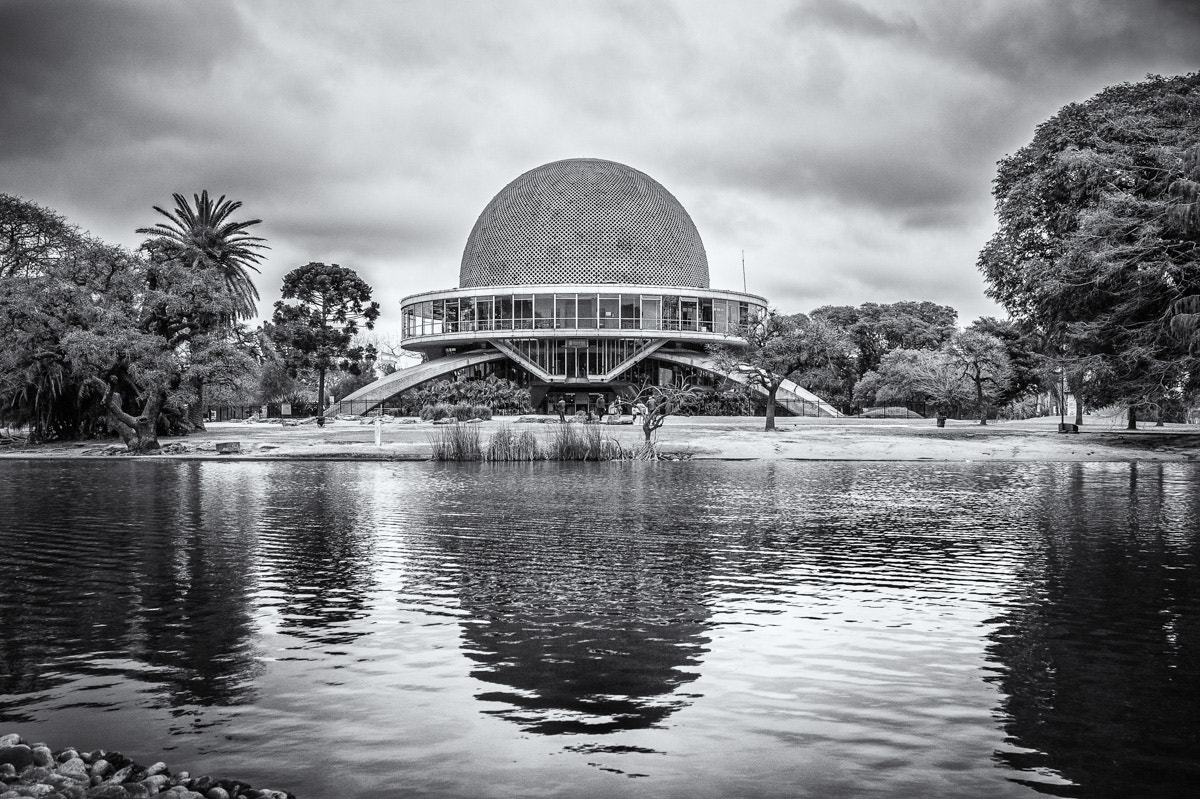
column 562, row 409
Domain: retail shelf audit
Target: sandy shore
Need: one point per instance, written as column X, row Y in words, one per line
column 710, row 437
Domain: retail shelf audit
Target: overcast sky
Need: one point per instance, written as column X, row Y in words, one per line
column 847, row 146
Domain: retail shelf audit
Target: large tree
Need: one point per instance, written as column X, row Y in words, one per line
column 1090, row 248
column 773, row 348
column 203, row 237
column 317, row 329
column 33, row 238
column 875, row 329
column 985, row 365
column 906, row 376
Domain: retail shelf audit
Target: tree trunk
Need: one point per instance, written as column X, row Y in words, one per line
column 140, row 433
column 1132, row 424
column 771, row 406
column 979, row 402
column 195, row 413
column 321, row 391
column 1076, row 387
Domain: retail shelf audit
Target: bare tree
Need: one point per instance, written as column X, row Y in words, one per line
column 653, row 404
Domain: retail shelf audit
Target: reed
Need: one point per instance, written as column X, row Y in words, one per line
column 506, row 445
column 567, row 443
column 457, row 442
column 582, row 443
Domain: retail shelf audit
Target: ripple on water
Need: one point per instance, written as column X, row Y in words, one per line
column 702, row 629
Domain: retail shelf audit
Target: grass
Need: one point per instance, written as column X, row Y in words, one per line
column 566, row 442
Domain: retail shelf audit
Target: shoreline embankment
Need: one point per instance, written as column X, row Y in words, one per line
column 681, row 438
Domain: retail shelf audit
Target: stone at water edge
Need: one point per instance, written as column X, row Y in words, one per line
column 42, row 756
column 156, row 783
column 100, row 768
column 157, row 768
column 107, row 791
column 12, row 739
column 75, row 768
column 228, row 447
column 18, row 755
column 217, row 792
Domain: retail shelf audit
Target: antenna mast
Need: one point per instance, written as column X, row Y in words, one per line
column 744, row 272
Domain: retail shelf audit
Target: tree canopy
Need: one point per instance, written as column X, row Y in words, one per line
column 772, row 348
column 317, row 330
column 1094, row 247
column 96, row 334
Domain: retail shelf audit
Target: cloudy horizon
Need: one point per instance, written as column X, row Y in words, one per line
column 846, row 146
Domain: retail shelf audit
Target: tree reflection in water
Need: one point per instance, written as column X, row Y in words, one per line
column 1099, row 659
column 315, row 550
column 582, row 626
column 160, row 597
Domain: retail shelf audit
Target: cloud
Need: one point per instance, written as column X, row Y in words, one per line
column 857, row 137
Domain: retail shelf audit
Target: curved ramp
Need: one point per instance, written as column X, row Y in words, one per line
column 796, row 399
column 366, row 398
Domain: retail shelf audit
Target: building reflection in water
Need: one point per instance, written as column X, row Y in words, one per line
column 590, row 622
column 1100, row 658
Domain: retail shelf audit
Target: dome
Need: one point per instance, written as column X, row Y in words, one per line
column 584, row 220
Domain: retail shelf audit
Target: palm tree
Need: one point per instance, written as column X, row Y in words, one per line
column 205, row 236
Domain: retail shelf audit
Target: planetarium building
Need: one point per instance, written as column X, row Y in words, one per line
column 580, row 279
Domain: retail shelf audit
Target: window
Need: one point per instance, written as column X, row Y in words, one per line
column 610, row 309
column 564, row 310
column 504, row 313
column 689, row 313
column 651, row 313
column 631, row 311
column 523, row 312
column 587, row 311
column 543, row 311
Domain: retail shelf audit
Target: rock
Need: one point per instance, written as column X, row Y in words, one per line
column 42, row 756
column 228, row 447
column 217, row 792
column 100, row 768
column 37, row 790
column 67, row 754
column 107, row 791
column 120, row 776
column 76, row 769
column 12, row 739
column 73, row 792
column 19, row 756
column 36, row 774
column 157, row 768
column 156, row 783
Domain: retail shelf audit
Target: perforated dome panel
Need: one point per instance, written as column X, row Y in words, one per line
column 584, row 220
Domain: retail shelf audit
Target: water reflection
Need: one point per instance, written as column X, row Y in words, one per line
column 584, row 621
column 145, row 577
column 317, row 563
column 1098, row 658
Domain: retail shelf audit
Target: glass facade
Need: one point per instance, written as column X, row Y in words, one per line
column 575, row 311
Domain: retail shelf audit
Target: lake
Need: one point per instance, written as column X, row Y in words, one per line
column 703, row 629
